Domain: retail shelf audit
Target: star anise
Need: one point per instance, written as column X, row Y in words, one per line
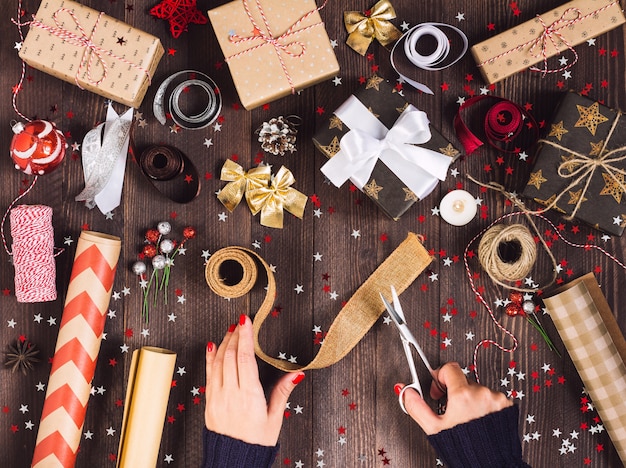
column 21, row 355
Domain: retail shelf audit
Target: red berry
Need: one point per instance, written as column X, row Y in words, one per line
column 513, row 309
column 150, row 250
column 152, row 235
column 516, row 297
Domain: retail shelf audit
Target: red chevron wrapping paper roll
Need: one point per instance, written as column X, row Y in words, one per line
column 76, row 352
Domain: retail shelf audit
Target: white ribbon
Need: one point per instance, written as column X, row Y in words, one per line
column 104, row 160
column 420, row 169
column 437, row 60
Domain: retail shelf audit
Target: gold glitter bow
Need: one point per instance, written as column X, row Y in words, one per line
column 364, row 27
column 278, row 196
column 240, row 182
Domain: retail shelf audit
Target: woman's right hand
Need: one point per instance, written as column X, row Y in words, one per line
column 466, row 401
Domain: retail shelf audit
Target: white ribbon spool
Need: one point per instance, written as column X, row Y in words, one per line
column 434, row 60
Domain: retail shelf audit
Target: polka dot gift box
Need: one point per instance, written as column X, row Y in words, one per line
column 273, row 47
column 531, row 44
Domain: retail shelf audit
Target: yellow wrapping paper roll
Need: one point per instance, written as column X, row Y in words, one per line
column 149, row 384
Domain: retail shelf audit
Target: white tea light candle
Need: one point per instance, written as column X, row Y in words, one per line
column 458, row 207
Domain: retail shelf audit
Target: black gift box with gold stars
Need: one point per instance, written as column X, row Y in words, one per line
column 383, row 187
column 580, row 165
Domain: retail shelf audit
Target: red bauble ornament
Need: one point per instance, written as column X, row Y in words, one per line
column 38, row 147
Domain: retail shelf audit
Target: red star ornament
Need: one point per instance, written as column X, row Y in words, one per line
column 179, row 13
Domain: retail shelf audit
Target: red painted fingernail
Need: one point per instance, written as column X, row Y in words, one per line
column 242, row 319
column 209, row 346
column 232, row 328
column 397, row 388
column 298, row 378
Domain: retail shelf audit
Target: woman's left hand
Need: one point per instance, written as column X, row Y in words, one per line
column 235, row 401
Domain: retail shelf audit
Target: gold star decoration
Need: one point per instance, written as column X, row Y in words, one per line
column 372, row 189
column 409, row 195
column 332, row 148
column 372, row 112
column 590, row 117
column 335, row 122
column 549, row 201
column 596, row 148
column 614, row 186
column 403, row 108
column 536, row 179
column 575, row 196
column 449, row 150
column 570, row 166
column 558, row 130
column 374, row 82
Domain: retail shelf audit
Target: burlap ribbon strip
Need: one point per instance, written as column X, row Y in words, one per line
column 354, row 320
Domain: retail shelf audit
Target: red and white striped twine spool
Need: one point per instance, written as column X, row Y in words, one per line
column 33, row 253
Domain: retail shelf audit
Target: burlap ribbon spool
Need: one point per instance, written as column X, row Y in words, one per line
column 354, row 320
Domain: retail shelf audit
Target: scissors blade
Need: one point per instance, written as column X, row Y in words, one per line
column 396, row 305
column 392, row 312
column 408, row 339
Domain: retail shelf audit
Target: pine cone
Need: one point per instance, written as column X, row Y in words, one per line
column 21, row 355
column 278, row 136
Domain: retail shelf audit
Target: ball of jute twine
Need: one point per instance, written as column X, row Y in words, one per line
column 489, row 252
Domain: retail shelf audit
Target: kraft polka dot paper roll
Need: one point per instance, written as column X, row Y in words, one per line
column 77, row 348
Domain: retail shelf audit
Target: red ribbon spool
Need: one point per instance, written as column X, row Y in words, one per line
column 503, row 122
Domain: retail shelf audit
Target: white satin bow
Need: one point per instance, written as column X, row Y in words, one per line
column 420, row 169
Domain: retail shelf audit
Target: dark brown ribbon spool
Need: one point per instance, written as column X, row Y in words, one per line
column 167, row 169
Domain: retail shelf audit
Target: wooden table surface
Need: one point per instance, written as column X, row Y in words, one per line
column 346, row 415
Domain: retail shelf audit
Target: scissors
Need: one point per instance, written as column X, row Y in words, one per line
column 408, row 340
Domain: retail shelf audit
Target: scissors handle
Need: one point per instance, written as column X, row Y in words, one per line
column 407, row 349
column 415, row 385
column 441, row 407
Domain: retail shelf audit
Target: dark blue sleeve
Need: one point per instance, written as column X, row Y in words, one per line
column 491, row 441
column 221, row 451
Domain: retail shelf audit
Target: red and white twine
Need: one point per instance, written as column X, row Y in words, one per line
column 33, row 253
column 489, row 342
column 268, row 38
column 33, row 250
column 18, row 87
